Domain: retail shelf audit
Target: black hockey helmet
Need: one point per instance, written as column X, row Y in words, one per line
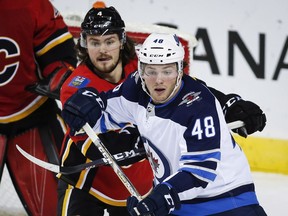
column 100, row 21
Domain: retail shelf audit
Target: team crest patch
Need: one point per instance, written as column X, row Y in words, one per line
column 189, row 98
column 79, row 82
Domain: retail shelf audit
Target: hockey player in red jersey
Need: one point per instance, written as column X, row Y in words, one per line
column 36, row 56
column 107, row 58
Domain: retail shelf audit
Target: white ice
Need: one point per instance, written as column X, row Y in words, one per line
column 272, row 192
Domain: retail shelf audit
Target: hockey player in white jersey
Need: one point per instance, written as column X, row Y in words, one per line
column 199, row 168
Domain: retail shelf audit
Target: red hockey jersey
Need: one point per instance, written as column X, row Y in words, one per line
column 104, row 183
column 30, row 39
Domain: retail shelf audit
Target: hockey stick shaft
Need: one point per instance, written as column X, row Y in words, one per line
column 111, row 160
column 78, row 168
column 235, row 124
column 106, row 154
column 100, row 162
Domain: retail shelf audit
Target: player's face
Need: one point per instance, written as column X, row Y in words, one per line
column 160, row 81
column 104, row 51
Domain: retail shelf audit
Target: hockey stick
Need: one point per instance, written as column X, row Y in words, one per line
column 78, row 168
column 111, row 160
column 240, row 126
column 100, row 162
column 235, row 124
column 106, row 154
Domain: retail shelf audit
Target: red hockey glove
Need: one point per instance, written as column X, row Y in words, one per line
column 50, row 86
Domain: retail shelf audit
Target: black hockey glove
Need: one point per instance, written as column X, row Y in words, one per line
column 50, row 86
column 133, row 137
column 132, row 130
column 161, row 201
column 123, row 142
column 83, row 106
column 237, row 109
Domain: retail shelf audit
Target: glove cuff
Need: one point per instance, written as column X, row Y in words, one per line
column 230, row 100
column 173, row 193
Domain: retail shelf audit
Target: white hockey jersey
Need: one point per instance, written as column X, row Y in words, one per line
column 186, row 134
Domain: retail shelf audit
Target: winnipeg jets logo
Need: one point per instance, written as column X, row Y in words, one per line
column 153, row 161
column 157, row 160
column 189, row 98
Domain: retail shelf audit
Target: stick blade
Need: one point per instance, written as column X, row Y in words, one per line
column 51, row 167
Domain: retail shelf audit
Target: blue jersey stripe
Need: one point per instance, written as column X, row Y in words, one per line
column 218, row 205
column 201, row 157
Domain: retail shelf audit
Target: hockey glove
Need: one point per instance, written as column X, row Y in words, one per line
column 133, row 131
column 50, row 86
column 162, row 201
column 237, row 109
column 83, row 106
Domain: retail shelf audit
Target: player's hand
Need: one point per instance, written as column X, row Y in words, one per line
column 162, row 201
column 50, row 86
column 83, row 106
column 248, row 112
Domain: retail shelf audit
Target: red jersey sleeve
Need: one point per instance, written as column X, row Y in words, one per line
column 33, row 36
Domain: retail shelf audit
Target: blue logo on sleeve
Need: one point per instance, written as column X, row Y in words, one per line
column 79, row 82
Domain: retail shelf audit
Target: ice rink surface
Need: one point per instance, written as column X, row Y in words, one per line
column 272, row 191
